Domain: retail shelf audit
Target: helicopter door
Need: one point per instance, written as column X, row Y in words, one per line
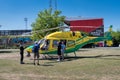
column 55, row 43
column 65, row 41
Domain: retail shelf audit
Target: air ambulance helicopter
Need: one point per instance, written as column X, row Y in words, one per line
column 73, row 41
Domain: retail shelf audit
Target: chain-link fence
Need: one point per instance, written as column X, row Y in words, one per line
column 13, row 42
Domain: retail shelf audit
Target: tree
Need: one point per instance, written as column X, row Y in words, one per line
column 116, row 38
column 46, row 19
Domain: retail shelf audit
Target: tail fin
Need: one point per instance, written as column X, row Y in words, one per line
column 109, row 33
column 110, row 29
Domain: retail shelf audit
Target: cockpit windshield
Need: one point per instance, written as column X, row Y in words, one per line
column 41, row 41
column 45, row 44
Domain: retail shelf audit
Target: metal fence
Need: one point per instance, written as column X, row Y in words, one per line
column 13, row 42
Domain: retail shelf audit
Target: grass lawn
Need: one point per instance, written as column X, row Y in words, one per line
column 90, row 64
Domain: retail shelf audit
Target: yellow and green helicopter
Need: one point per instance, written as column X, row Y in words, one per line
column 73, row 41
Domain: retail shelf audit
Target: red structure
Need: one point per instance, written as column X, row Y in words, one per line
column 94, row 27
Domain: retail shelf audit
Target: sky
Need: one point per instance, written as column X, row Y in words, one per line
column 13, row 12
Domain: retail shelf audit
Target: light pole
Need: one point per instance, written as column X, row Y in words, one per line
column 0, row 27
column 26, row 19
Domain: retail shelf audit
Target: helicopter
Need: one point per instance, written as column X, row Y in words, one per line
column 74, row 40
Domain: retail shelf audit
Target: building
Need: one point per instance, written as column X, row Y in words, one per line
column 13, row 32
column 92, row 26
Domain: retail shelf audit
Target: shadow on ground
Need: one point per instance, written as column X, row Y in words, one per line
column 40, row 64
column 5, row 51
column 70, row 58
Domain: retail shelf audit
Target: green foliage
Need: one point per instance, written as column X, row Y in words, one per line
column 116, row 36
column 47, row 19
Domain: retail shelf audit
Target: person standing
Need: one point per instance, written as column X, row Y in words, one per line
column 62, row 49
column 21, row 52
column 59, row 51
column 36, row 53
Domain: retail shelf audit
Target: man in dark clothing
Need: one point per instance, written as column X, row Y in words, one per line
column 36, row 52
column 21, row 53
column 59, row 50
